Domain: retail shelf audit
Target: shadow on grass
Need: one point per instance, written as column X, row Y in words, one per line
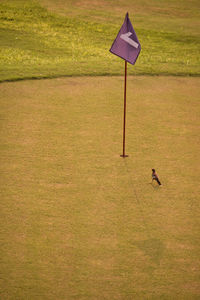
column 155, row 186
column 154, row 248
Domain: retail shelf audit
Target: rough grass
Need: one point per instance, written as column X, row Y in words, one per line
column 38, row 43
column 78, row 221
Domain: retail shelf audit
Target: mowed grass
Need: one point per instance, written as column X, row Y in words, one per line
column 48, row 38
column 77, row 220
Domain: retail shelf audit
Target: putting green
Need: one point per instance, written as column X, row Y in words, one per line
column 78, row 221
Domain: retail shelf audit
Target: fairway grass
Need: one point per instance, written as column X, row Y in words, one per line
column 77, row 220
column 48, row 38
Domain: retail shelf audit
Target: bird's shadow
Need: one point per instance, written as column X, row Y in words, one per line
column 155, row 187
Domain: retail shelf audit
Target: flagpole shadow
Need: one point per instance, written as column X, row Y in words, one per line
column 139, row 203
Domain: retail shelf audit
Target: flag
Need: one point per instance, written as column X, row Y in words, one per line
column 126, row 45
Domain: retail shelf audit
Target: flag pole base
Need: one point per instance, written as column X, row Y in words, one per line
column 123, row 156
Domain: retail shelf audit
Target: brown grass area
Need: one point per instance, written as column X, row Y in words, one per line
column 77, row 219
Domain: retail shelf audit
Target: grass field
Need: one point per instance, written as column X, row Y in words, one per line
column 78, row 221
column 48, row 38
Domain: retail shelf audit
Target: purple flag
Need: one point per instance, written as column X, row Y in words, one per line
column 126, row 44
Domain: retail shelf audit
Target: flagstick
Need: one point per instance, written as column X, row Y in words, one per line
column 124, row 129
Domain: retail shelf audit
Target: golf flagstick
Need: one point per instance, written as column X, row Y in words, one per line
column 127, row 46
column 124, row 124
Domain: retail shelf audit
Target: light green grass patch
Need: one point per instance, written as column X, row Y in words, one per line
column 38, row 43
column 77, row 220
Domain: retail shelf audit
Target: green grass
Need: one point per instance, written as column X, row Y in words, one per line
column 78, row 221
column 43, row 39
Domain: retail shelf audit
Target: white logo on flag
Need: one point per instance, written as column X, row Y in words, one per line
column 126, row 38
